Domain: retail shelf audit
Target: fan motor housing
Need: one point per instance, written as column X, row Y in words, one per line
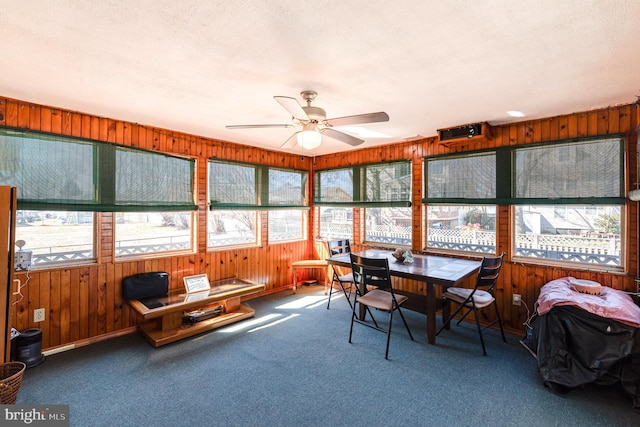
column 316, row 114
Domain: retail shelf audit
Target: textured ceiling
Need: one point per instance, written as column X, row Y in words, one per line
column 196, row 66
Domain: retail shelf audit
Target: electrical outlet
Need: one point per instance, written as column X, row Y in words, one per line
column 517, row 299
column 38, row 315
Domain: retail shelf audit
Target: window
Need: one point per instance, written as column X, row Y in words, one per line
column 569, row 197
column 469, row 228
column 56, row 236
column 461, row 196
column 238, row 191
column 580, row 234
column 335, row 187
column 285, row 225
column 286, row 188
column 383, row 189
column 227, row 228
column 336, row 223
column 153, row 232
column 62, row 181
column 594, row 174
column 461, row 178
column 390, row 226
column 105, row 177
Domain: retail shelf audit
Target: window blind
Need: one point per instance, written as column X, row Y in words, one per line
column 62, row 173
column 244, row 186
column 373, row 185
column 570, row 172
column 469, row 178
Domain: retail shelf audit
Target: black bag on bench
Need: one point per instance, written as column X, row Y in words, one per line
column 143, row 285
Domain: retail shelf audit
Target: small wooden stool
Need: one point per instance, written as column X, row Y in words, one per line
column 308, row 263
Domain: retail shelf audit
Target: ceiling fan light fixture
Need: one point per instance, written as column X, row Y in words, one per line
column 309, row 139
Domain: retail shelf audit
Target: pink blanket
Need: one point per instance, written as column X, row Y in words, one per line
column 611, row 303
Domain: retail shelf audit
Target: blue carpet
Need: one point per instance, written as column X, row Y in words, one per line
column 291, row 365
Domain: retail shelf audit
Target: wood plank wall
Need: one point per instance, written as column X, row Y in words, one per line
column 83, row 303
column 518, row 278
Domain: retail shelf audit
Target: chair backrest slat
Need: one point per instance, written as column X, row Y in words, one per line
column 371, row 272
column 489, row 272
column 337, row 247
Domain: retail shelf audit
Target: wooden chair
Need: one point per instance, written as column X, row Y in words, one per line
column 374, row 272
column 481, row 296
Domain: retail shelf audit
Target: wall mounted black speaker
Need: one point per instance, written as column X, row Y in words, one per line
column 466, row 131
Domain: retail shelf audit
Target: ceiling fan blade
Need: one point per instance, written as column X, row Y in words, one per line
column 340, row 136
column 358, row 119
column 290, row 141
column 256, row 126
column 292, row 106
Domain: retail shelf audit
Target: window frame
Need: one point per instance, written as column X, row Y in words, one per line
column 262, row 198
column 506, row 184
column 154, row 254
column 105, row 158
column 361, row 194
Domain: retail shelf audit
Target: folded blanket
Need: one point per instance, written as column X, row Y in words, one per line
column 611, row 303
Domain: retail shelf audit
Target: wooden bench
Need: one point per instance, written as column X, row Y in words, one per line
column 308, row 263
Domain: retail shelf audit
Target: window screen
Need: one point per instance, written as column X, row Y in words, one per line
column 587, row 169
column 380, row 184
column 233, row 184
column 287, row 188
column 334, row 186
column 244, row 186
column 390, row 182
column 461, row 177
column 144, row 179
column 63, row 173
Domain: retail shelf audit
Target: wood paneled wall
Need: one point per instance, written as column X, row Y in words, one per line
column 519, row 278
column 83, row 303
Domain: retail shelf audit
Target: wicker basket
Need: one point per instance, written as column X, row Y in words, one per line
column 10, row 381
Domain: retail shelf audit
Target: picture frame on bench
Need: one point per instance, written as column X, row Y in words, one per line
column 197, row 283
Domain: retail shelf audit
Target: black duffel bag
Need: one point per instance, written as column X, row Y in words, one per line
column 144, row 285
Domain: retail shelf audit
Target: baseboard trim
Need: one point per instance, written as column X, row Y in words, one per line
column 88, row 341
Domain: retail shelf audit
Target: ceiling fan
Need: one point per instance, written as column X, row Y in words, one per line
column 314, row 122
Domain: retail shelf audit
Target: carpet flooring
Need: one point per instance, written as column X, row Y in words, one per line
column 291, row 365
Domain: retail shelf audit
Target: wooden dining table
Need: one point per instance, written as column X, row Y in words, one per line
column 431, row 269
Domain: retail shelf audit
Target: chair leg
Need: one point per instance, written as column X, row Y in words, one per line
column 386, row 354
column 447, row 322
column 371, row 314
column 331, row 291
column 495, row 305
column 347, row 295
column 405, row 324
column 353, row 317
column 475, row 313
column 463, row 316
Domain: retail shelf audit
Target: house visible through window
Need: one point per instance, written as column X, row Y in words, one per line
column 461, row 202
column 570, row 198
column 469, row 228
column 336, row 223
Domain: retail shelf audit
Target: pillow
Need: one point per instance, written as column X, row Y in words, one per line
column 480, row 297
